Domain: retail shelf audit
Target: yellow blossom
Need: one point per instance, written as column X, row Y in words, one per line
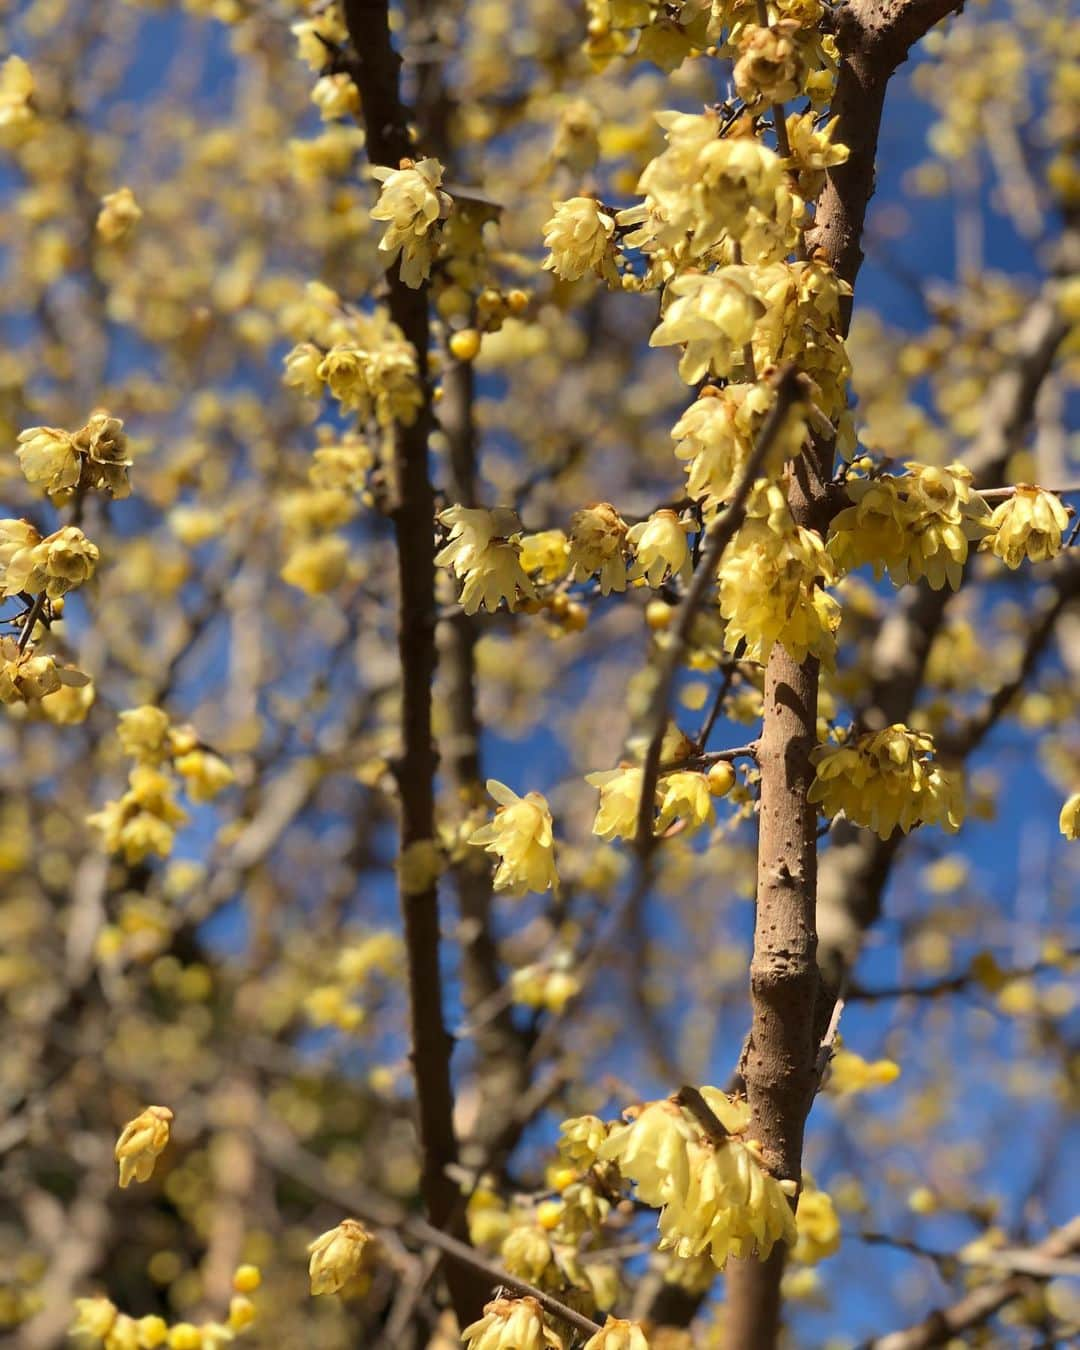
column 597, row 540
column 618, row 1334
column 714, row 315
column 328, row 24
column 1029, row 524
column 579, row 239
column 684, row 796
column 93, row 1317
column 484, row 550
column 141, row 1141
column 818, row 1226
column 411, row 202
column 335, row 96
column 520, row 835
column 337, row 1256
column 511, row 1324
column 48, row 459
column 849, row 1072
column 580, row 1138
column 660, row 549
column 16, row 91
column 770, row 66
column 55, row 564
column 885, row 779
column 620, row 795
column 143, row 733
column 104, row 448
column 317, row 565
column 1069, row 819
column 205, row 774
column 813, row 151
column 119, row 215
column 546, row 554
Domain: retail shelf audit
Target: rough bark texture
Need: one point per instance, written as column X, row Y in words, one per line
column 376, row 68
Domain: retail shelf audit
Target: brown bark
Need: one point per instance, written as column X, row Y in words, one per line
column 375, row 69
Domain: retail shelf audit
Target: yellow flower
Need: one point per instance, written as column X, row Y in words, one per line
column 1028, row 524
column 411, row 201
column 143, row 821
column 521, row 836
column 484, row 550
column 303, row 370
column 618, row 1334
column 143, row 733
column 849, row 1072
column 620, row 795
column 660, row 549
column 335, row 96
column 104, row 446
column 818, row 1225
column 684, row 796
column 119, row 215
column 93, row 1317
column 328, row 24
column 337, row 1256
column 770, row 67
column 1069, row 820
column 714, row 315
column 580, row 1138
column 55, row 565
column 885, row 779
column 714, row 1196
column 813, row 151
column 318, row 565
column 205, row 774
column 16, row 91
column 597, row 540
column 546, row 553
column 526, row 1253
column 152, row 1331
column 511, row 1324
column 26, row 677
column 48, row 459
column 579, row 238
column 141, row 1141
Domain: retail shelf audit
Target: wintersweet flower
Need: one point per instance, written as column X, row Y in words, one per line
column 849, row 1072
column 660, row 549
column 546, row 554
column 1029, row 524
column 813, row 151
column 335, row 96
column 818, row 1225
column 119, row 215
column 484, row 551
column 1069, row 819
column 770, row 67
column 143, row 733
column 618, row 1334
column 55, row 564
column 620, row 795
column 93, row 1317
column 597, row 543
column 141, row 1142
column 684, row 796
column 714, row 315
column 520, row 835
column 511, row 1324
column 580, row 1138
column 337, row 1256
column 411, row 202
column 885, row 779
column 16, row 91
column 579, row 240
column 48, row 459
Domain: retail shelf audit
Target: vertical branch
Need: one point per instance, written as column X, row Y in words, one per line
column 376, row 70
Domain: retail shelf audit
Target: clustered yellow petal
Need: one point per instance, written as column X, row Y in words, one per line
column 579, row 240
column 660, row 548
column 771, row 579
column 143, row 820
column 618, row 1333
column 715, row 1196
column 597, row 543
column 412, row 202
column 620, row 795
column 337, row 1256
column 849, row 1073
column 119, row 215
column 141, row 1142
column 1029, row 524
column 714, row 315
column 511, row 1324
column 484, row 552
column 916, row 525
column 53, row 565
column 16, row 91
column 520, row 835
column 885, row 779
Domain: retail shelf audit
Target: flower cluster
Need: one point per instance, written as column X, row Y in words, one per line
column 885, row 779
column 716, row 435
column 412, row 203
column 51, row 566
column 770, row 587
column 141, row 1141
column 520, row 835
column 915, row 525
column 59, row 461
column 683, row 795
column 714, row 1194
column 366, row 364
column 1028, row 524
column 144, row 819
column 713, row 316
column 511, row 1324
column 484, row 553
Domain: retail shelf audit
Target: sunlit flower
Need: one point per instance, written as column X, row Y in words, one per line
column 684, row 796
column 597, row 540
column 1069, row 819
column 337, row 1256
column 119, row 215
column 141, row 1142
column 578, row 237
column 511, row 1324
column 849, row 1072
column 520, row 835
column 1029, row 524
column 618, row 1334
column 713, row 315
column 620, row 795
column 48, row 458
column 411, row 202
column 660, row 549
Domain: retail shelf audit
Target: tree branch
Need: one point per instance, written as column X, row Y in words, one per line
column 375, row 69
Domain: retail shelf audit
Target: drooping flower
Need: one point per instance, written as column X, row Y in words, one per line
column 620, row 795
column 618, row 1333
column 48, row 458
column 597, row 540
column 411, row 202
column 337, row 1256
column 885, row 779
column 770, row 67
column 1029, row 524
column 849, row 1072
column 660, row 549
column 143, row 733
column 511, row 1324
column 579, row 240
column 119, row 215
column 520, row 835
column 141, row 1142
column 684, row 796
column 714, row 316
column 818, row 1225
column 484, row 551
